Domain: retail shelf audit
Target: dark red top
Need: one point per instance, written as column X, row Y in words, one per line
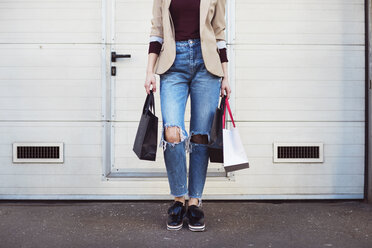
column 185, row 16
column 186, row 20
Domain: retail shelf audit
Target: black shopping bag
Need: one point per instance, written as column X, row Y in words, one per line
column 145, row 143
column 215, row 145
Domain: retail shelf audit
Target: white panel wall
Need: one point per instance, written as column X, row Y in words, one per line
column 50, row 66
column 300, row 78
column 50, row 21
column 50, row 90
column 50, row 82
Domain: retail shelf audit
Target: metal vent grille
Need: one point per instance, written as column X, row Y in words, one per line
column 298, row 152
column 38, row 152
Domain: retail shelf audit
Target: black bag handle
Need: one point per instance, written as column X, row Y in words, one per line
column 222, row 103
column 223, row 108
column 149, row 103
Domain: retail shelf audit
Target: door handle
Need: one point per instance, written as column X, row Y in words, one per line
column 114, row 56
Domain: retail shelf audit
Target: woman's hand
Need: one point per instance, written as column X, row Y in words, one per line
column 150, row 80
column 225, row 87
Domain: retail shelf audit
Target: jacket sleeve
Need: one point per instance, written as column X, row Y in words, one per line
column 156, row 32
column 219, row 26
column 218, row 20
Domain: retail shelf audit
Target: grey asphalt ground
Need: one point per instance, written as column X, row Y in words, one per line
column 300, row 224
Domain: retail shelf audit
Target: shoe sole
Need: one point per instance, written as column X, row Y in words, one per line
column 174, row 228
column 196, row 228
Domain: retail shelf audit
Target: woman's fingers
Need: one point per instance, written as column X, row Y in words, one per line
column 150, row 80
column 147, row 88
column 228, row 92
column 225, row 88
column 153, row 85
column 223, row 91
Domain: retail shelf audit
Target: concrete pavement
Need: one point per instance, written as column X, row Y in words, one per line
column 300, row 224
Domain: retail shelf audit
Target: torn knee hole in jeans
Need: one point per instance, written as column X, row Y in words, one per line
column 199, row 138
column 163, row 142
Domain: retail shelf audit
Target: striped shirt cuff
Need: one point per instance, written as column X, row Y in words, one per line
column 156, row 38
column 221, row 44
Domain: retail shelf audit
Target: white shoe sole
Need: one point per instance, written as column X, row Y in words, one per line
column 174, row 228
column 197, row 228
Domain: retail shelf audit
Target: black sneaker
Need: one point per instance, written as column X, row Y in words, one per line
column 195, row 215
column 176, row 213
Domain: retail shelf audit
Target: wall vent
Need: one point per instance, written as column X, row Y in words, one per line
column 38, row 153
column 298, row 152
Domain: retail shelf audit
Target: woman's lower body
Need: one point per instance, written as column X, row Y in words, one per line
column 187, row 76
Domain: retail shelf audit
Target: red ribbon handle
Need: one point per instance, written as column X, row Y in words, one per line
column 224, row 114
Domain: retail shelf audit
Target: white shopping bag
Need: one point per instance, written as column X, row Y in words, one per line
column 234, row 156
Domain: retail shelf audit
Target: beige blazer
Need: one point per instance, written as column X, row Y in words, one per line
column 212, row 34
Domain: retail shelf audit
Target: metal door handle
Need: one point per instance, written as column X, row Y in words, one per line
column 114, row 56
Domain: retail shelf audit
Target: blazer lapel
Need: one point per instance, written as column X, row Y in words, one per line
column 204, row 7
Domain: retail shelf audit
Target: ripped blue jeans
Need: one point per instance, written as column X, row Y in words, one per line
column 187, row 76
